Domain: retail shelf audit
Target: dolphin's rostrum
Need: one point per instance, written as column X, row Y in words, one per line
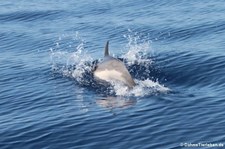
column 112, row 69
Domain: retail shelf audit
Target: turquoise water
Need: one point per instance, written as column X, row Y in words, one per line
column 173, row 49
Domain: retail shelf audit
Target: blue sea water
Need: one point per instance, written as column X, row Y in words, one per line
column 175, row 51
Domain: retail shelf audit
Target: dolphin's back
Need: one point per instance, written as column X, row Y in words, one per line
column 114, row 69
column 111, row 69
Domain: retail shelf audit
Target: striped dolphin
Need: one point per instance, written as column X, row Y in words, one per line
column 112, row 69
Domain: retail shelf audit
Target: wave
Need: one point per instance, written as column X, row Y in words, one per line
column 194, row 69
column 28, row 16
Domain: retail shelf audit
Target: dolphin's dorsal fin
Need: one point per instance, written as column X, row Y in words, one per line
column 107, row 49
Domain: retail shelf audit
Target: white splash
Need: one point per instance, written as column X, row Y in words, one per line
column 143, row 88
column 137, row 50
column 78, row 58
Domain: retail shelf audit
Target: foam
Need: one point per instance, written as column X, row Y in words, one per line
column 143, row 88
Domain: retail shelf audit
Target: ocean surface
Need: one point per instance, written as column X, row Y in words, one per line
column 175, row 51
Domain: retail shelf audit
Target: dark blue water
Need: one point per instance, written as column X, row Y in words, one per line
column 175, row 50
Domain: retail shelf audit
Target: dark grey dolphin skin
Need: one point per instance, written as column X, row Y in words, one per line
column 112, row 69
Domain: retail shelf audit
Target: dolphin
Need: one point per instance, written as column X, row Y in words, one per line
column 112, row 69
